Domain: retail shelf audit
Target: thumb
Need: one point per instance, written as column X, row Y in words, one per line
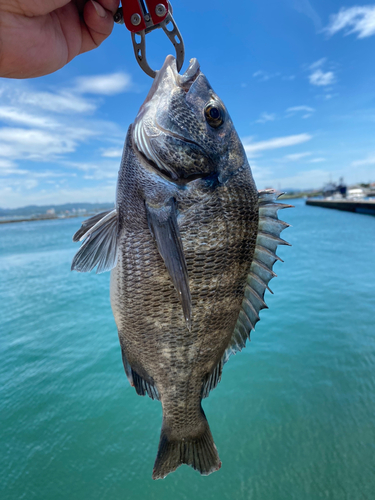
column 97, row 22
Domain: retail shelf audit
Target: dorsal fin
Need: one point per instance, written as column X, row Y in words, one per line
column 260, row 274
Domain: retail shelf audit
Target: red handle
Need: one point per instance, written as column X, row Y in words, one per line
column 152, row 9
column 136, row 19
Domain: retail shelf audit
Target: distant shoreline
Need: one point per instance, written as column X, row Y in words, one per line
column 52, row 217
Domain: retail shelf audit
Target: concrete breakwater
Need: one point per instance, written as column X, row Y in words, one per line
column 359, row 206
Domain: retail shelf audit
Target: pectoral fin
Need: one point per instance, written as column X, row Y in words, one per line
column 100, row 245
column 162, row 221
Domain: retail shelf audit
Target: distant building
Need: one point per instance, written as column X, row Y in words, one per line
column 333, row 189
column 51, row 211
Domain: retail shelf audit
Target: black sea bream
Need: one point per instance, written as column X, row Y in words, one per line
column 191, row 245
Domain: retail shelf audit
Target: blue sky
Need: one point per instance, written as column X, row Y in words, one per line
column 298, row 78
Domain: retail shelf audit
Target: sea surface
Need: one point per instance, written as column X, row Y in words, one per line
column 294, row 414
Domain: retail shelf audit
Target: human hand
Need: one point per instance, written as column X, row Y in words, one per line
column 38, row 37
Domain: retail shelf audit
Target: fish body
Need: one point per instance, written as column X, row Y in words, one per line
column 191, row 246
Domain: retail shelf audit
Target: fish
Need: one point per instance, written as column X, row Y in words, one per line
column 191, row 245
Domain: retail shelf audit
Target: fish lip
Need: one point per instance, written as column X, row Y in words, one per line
column 191, row 74
column 183, row 80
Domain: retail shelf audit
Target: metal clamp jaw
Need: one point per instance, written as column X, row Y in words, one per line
column 143, row 16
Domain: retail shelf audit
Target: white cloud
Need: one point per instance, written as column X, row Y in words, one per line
column 21, row 194
column 12, row 114
column 297, row 156
column 51, row 128
column 8, row 167
column 62, row 102
column 306, row 110
column 266, row 117
column 39, row 126
column 104, row 169
column 36, row 144
column 11, row 171
column 30, row 183
column 320, row 78
column 370, row 160
column 310, row 179
column 5, row 164
column 315, row 178
column 296, row 109
column 360, row 20
column 276, row 143
column 326, row 97
column 317, row 160
column 50, row 174
column 112, row 153
column 305, row 7
column 318, row 64
column 104, row 84
column 263, row 76
column 99, row 175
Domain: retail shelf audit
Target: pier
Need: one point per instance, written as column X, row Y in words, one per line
column 359, row 206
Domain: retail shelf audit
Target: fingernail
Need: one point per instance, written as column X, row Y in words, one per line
column 99, row 9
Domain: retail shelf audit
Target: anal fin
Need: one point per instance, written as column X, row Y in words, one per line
column 212, row 380
column 144, row 387
column 141, row 385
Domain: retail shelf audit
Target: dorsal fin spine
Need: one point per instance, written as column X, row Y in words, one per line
column 255, row 294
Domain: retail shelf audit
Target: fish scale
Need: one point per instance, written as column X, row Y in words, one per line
column 220, row 272
column 191, row 245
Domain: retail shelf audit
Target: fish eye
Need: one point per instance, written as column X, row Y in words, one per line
column 214, row 114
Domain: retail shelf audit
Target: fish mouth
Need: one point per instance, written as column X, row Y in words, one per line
column 184, row 81
column 165, row 78
column 191, row 74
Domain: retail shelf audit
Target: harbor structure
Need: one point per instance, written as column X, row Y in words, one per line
column 359, row 206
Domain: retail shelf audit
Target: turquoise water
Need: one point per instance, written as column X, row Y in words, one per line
column 294, row 415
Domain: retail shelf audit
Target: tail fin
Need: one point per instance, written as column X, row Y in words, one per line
column 198, row 451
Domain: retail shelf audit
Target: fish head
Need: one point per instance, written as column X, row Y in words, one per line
column 184, row 129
